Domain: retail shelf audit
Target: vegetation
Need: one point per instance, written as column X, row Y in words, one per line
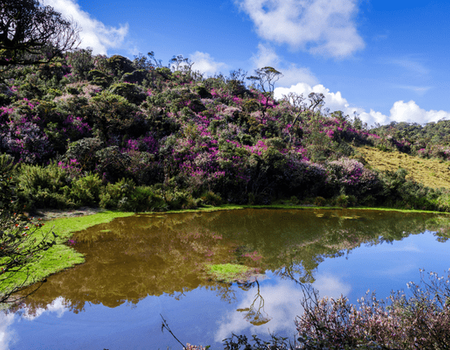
column 134, row 135
column 49, row 256
column 416, row 321
column 230, row 272
column 433, row 173
column 20, row 243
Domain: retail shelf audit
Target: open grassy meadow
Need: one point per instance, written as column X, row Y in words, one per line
column 433, row 173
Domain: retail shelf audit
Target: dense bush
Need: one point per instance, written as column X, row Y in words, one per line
column 43, row 187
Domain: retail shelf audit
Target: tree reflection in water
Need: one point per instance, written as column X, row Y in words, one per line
column 255, row 313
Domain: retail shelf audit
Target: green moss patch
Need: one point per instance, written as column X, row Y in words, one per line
column 231, row 272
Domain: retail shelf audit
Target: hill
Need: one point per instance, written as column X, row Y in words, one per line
column 87, row 130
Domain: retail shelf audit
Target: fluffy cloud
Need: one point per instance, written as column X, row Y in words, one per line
column 400, row 112
column 324, row 27
column 204, row 63
column 411, row 112
column 94, row 34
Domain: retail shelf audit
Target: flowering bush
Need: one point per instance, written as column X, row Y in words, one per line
column 154, row 125
column 420, row 321
column 350, row 176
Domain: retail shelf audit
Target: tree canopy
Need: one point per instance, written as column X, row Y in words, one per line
column 31, row 33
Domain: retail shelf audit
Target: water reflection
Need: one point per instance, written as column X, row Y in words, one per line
column 7, row 336
column 281, row 306
column 166, row 257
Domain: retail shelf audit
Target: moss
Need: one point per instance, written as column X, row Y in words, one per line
column 230, row 272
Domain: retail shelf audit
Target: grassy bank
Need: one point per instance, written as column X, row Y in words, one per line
column 61, row 256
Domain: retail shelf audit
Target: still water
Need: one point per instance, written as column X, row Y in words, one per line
column 143, row 267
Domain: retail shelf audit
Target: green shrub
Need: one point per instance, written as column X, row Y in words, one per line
column 320, row 201
column 144, row 198
column 84, row 152
column 294, row 200
column 99, row 78
column 130, row 91
column 44, row 187
column 117, row 195
column 112, row 163
column 211, row 198
column 180, row 199
column 342, row 201
column 86, row 190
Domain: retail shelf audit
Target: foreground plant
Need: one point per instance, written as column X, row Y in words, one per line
column 21, row 241
column 420, row 321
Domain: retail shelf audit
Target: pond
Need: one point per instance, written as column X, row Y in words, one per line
column 141, row 268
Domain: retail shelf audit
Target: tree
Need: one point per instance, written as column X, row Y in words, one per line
column 180, row 63
column 265, row 79
column 21, row 241
column 32, row 34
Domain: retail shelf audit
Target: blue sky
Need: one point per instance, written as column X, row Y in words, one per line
column 384, row 60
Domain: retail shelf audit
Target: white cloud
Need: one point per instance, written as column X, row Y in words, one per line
column 266, row 56
column 324, row 27
column 6, row 337
column 204, row 63
column 411, row 112
column 400, row 112
column 58, row 306
column 94, row 34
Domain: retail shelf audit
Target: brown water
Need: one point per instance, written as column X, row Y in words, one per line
column 142, row 266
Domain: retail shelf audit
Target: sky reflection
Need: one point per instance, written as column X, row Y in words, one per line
column 281, row 306
column 7, row 335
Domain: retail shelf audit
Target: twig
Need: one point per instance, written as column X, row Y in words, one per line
column 166, row 326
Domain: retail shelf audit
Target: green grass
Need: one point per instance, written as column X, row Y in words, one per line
column 418, row 168
column 289, row 207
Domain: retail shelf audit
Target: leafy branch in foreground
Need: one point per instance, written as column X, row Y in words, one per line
column 21, row 240
column 32, row 34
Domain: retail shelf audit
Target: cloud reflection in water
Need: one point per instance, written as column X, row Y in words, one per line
column 281, row 306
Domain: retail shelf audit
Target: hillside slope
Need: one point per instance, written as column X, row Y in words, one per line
column 434, row 173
